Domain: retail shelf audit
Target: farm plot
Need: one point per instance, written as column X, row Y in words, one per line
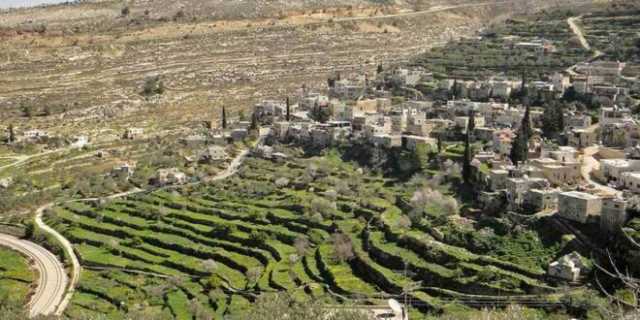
column 15, row 278
column 313, row 227
column 498, row 50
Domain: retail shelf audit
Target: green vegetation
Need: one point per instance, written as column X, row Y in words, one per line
column 16, row 278
column 481, row 58
column 211, row 250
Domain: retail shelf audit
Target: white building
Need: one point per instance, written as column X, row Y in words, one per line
column 568, row 267
column 579, row 206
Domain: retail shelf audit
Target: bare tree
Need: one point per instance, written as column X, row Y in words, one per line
column 342, row 247
column 301, row 243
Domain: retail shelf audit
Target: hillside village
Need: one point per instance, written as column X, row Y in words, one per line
column 587, row 176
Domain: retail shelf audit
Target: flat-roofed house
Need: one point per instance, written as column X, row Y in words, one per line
column 579, row 206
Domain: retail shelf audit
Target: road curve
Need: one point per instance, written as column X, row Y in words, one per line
column 52, row 278
column 68, row 248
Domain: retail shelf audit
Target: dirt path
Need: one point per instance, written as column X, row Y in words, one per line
column 578, row 32
column 52, row 278
column 68, row 247
column 589, row 164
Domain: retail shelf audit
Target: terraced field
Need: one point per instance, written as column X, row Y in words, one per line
column 15, row 278
column 491, row 54
column 615, row 32
column 212, row 249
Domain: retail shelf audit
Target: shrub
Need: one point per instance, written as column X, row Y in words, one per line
column 342, row 247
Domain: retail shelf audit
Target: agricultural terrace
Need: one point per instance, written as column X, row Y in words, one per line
column 319, row 228
column 492, row 53
column 614, row 32
column 15, row 278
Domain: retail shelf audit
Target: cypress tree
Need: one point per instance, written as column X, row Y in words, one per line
column 454, row 90
column 12, row 134
column 439, row 140
column 288, row 110
column 380, row 70
column 471, row 126
column 466, row 165
column 520, row 146
column 254, row 121
column 224, row 118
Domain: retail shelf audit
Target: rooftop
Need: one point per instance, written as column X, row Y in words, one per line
column 579, row 195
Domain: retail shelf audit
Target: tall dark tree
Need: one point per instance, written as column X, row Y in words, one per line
column 471, row 126
column 12, row 134
column 439, row 140
column 380, row 69
column 454, row 89
column 553, row 120
column 466, row 165
column 319, row 113
column 254, row 121
column 288, row 110
column 224, row 118
column 520, row 145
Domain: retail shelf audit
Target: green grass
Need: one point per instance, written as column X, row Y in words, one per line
column 164, row 238
column 15, row 276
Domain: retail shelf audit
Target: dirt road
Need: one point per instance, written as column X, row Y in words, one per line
column 52, row 278
column 578, row 32
column 589, row 164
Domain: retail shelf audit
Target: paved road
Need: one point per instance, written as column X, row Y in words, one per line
column 52, row 278
column 75, row 264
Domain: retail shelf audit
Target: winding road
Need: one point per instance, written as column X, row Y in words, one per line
column 50, row 297
column 52, row 277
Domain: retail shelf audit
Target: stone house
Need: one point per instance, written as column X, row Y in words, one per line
column 579, row 206
column 213, row 154
column 133, row 133
column 124, row 170
column 559, row 173
column 582, row 138
column 169, row 176
column 408, row 77
column 537, row 200
column 630, row 181
column 498, row 179
column 620, row 135
column 559, row 153
column 568, row 267
column 614, row 214
column 614, row 114
column 576, row 121
column 386, row 140
column 612, row 169
column 518, row 187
